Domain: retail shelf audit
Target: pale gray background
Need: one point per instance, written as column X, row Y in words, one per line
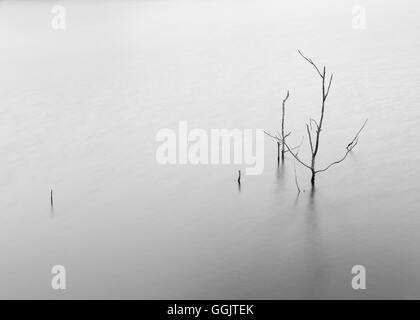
column 79, row 110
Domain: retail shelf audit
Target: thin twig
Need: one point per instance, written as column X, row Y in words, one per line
column 283, row 137
column 278, row 139
column 287, row 97
column 357, row 135
column 295, row 156
column 310, row 139
column 316, row 123
column 329, row 85
column 349, row 147
column 311, row 62
column 271, row 136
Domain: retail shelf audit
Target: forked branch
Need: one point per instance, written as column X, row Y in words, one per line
column 349, row 148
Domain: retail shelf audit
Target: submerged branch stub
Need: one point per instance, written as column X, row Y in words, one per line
column 296, row 156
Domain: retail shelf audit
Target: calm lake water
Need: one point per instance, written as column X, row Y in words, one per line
column 80, row 109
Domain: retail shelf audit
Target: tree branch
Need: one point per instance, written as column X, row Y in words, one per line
column 311, row 62
column 287, row 96
column 296, row 157
column 316, row 123
column 279, row 140
column 297, row 147
column 329, row 85
column 310, row 139
column 271, row 136
column 356, row 137
column 296, row 180
column 349, row 148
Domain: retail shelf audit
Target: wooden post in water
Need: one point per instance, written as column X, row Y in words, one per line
column 51, row 198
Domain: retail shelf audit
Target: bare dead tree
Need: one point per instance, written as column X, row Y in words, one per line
column 314, row 139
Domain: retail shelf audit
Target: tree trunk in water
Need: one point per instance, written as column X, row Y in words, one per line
column 313, row 178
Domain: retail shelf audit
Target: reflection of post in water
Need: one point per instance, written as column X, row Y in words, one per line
column 281, row 169
column 315, row 252
column 312, row 199
column 52, row 202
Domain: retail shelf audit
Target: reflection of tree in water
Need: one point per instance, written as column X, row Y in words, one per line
column 314, row 250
